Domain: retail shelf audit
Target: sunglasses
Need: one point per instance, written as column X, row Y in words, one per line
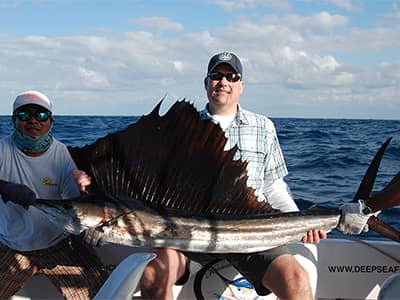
column 40, row 116
column 231, row 77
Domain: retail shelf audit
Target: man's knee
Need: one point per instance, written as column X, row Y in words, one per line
column 162, row 273
column 297, row 277
column 285, row 276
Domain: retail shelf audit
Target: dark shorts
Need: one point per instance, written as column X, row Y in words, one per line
column 251, row 266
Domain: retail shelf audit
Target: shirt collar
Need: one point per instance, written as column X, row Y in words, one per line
column 240, row 117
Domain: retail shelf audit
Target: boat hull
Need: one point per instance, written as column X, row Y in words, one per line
column 338, row 268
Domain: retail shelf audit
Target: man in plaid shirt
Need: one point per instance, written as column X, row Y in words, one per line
column 274, row 270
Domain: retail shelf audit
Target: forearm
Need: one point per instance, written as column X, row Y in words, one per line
column 279, row 196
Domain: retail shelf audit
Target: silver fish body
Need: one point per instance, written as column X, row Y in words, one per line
column 149, row 177
column 136, row 225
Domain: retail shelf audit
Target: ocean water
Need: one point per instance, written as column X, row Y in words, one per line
column 326, row 158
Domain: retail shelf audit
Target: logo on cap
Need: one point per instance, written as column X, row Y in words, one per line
column 225, row 56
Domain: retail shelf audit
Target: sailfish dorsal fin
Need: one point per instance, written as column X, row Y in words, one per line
column 172, row 161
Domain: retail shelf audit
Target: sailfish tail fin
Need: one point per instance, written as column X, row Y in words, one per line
column 386, row 198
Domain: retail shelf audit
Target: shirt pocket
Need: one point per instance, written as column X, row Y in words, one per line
column 255, row 157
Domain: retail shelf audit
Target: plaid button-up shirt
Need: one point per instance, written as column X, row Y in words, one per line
column 258, row 144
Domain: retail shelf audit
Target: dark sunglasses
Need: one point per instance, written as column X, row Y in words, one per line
column 41, row 116
column 231, row 77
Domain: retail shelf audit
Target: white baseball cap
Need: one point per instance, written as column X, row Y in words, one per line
column 33, row 97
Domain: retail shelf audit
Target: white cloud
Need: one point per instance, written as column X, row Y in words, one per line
column 301, row 70
column 8, row 5
column 319, row 23
column 158, row 23
column 230, row 5
column 303, row 61
column 178, row 65
column 353, row 6
column 92, row 78
column 346, row 4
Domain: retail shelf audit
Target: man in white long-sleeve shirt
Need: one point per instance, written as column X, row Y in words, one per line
column 274, row 270
column 35, row 165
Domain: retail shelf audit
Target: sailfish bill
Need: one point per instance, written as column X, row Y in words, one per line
column 166, row 181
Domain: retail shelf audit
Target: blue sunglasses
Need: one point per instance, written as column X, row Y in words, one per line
column 41, row 116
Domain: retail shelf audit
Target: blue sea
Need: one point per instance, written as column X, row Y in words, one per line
column 326, row 158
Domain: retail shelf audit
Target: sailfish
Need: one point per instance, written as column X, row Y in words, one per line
column 167, row 181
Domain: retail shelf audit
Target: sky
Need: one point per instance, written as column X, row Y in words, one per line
column 302, row 59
